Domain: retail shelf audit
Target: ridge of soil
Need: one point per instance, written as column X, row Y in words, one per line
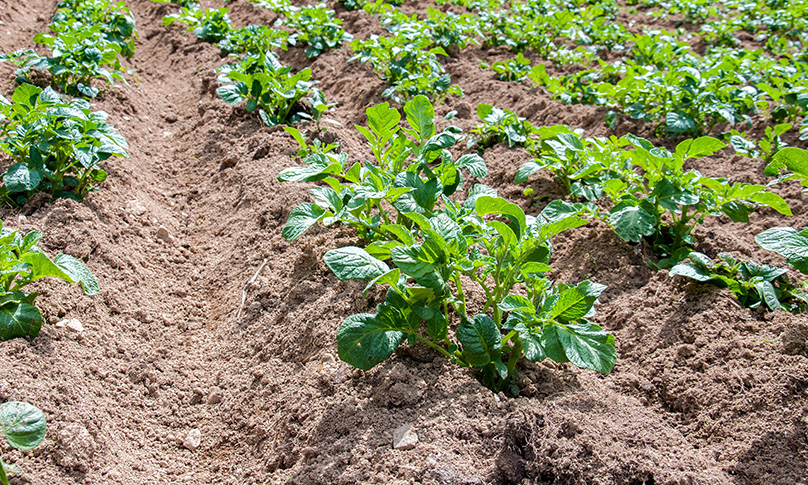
column 703, row 391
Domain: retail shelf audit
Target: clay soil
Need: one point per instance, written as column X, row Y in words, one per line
column 703, row 392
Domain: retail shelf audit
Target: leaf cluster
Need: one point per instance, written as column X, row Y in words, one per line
column 266, row 85
column 22, row 263
column 431, row 252
column 23, row 426
column 209, row 25
column 56, row 145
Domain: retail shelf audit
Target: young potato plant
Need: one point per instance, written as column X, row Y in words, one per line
column 513, row 69
column 408, row 62
column 266, row 85
column 654, row 198
column 314, row 28
column 56, row 145
column 445, row 257
column 499, row 126
column 23, row 426
column 753, row 284
column 22, row 263
column 116, row 19
column 413, row 168
column 80, row 53
column 253, row 38
column 441, row 250
column 209, row 25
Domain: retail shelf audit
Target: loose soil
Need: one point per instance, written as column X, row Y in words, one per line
column 703, row 392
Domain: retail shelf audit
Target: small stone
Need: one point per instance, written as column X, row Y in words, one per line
column 162, row 233
column 136, row 207
column 215, row 396
column 75, row 447
column 404, row 438
column 72, row 324
column 193, row 440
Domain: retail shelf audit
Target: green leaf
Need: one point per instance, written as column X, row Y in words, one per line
column 679, row 123
column 532, row 344
column 575, row 303
column 352, row 263
column 474, row 164
column 768, row 295
column 19, row 320
column 585, row 344
column 516, row 303
column 421, row 116
column 491, row 205
column 480, row 338
column 631, row 221
column 22, row 178
column 22, row 424
column 382, row 119
column 301, row 219
column 700, row 147
column 78, row 272
column 793, row 159
column 525, row 171
column 691, row 271
column 789, row 243
column 364, row 341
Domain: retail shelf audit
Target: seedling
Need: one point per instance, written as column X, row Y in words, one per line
column 23, row 426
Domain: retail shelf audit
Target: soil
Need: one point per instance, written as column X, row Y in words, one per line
column 704, row 392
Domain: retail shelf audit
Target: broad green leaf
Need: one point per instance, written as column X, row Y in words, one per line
column 679, row 123
column 691, row 271
column 78, row 272
column 490, row 205
column 382, row 119
column 19, row 320
column 474, row 164
column 585, row 344
column 364, row 341
column 421, row 116
column 525, row 171
column 480, row 338
column 575, row 303
column 22, row 178
column 772, row 200
column 352, row 263
column 301, row 219
column 516, row 302
column 671, row 197
column 532, row 344
column 789, row 243
column 390, row 278
column 700, row 147
column 22, row 424
column 631, row 222
column 768, row 295
column 793, row 159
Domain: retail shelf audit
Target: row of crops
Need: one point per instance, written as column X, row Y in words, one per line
column 434, row 244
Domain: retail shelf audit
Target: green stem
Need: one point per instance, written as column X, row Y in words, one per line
column 460, row 294
column 3, row 476
column 443, row 351
column 516, row 352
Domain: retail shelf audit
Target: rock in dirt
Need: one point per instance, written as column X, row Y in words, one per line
column 162, row 233
column 193, row 440
column 75, row 447
column 71, row 324
column 404, row 438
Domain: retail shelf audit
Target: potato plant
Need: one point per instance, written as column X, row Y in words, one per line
column 22, row 263
column 432, row 252
column 117, row 21
column 56, row 145
column 266, row 85
column 23, row 426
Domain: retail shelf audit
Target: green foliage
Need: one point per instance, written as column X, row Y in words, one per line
column 498, row 126
column 22, row 263
column 408, row 61
column 56, row 145
column 209, row 25
column 653, row 197
column 117, row 21
column 794, row 161
column 253, row 38
column 23, row 426
column 314, row 28
column 753, row 284
column 427, row 248
column 266, row 85
column 789, row 243
column 512, row 70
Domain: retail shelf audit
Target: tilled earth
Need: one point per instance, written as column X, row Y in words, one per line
column 703, row 392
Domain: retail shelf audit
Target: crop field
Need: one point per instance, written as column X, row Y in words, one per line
column 394, row 242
